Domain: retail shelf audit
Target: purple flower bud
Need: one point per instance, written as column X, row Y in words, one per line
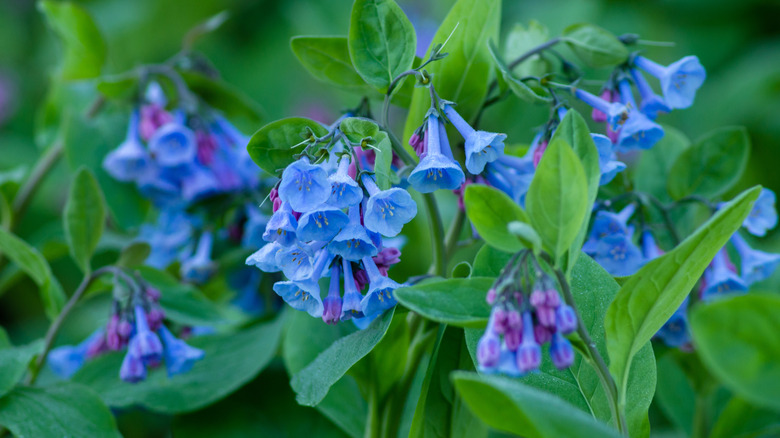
column 145, row 342
column 499, row 320
column 542, row 334
column 153, row 294
column 513, row 338
column 132, row 369
column 514, row 320
column 155, row 318
column 538, row 298
column 491, row 296
column 546, row 316
column 125, row 329
column 561, row 352
column 331, row 313
column 552, row 299
column 565, row 319
column 529, row 355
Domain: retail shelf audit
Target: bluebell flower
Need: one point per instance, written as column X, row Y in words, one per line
column 387, row 211
column 130, row 160
column 565, row 319
column 295, row 260
column 650, row 249
column 513, row 175
column 197, row 182
column 652, row 104
column 638, row 132
column 64, row 361
column 254, row 227
column 529, row 354
column 199, row 267
column 350, row 307
column 179, row 357
column 756, row 265
column 345, row 191
column 353, row 242
column 481, row 147
column 173, row 144
column 720, row 279
column 132, row 369
column 265, row 257
column 305, row 295
column 246, row 283
column 763, row 216
column 675, row 332
column 436, row 170
column 144, row 343
column 159, row 189
column 607, row 223
column 304, row 186
column 282, row 227
column 380, row 290
column 561, row 352
column 331, row 313
column 236, row 141
column 608, row 163
column 618, row 255
column 489, row 347
column 617, row 113
column 321, row 223
column 679, row 81
column 172, row 230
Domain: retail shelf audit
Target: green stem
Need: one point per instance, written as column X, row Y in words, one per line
column 453, row 234
column 373, row 420
column 538, row 49
column 28, row 189
column 664, row 210
column 701, row 417
column 439, row 266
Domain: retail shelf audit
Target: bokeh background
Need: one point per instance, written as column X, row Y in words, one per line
column 737, row 41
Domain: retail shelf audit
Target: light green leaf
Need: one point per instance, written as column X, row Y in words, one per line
column 84, row 218
column 527, row 233
column 461, row 270
column 507, row 404
column 712, row 165
column 356, row 129
column 522, row 39
column 120, row 87
column 535, row 94
column 491, row 211
column 385, row 177
column 742, row 419
column 489, row 262
column 594, row 45
column 327, row 59
column 557, row 200
column 134, row 255
column 85, row 49
column 651, row 296
column 736, row 338
column 14, row 362
column 65, row 410
column 231, row 360
column 464, row 74
column 458, row 301
column 271, row 147
column 312, row 383
column 381, row 41
column 223, row 96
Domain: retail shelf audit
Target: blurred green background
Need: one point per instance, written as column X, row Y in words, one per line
column 737, row 41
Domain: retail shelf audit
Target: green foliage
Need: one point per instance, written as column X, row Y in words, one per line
column 327, row 59
column 84, row 218
column 85, row 50
column 458, row 301
column 508, row 405
column 594, row 45
column 557, row 200
column 463, row 75
column 272, row 146
column 649, row 297
column 491, row 211
column 14, row 362
column 741, row 419
column 736, row 338
column 182, row 303
column 489, row 261
column 381, row 41
column 659, row 161
column 222, row 96
column 712, row 165
column 133, row 255
column 531, row 94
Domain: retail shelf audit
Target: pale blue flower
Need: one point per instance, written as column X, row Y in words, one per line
column 179, row 357
column 353, row 242
column 130, row 160
column 304, row 186
column 638, row 131
column 679, row 81
column 652, row 104
column 617, row 113
column 380, row 290
column 481, row 147
column 387, row 211
column 756, row 265
column 282, row 227
column 322, row 223
column 345, row 191
column 436, row 170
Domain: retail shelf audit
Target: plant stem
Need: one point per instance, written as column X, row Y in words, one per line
column 453, row 233
column 51, row 334
column 701, row 417
column 664, row 210
column 538, row 49
column 39, row 172
column 439, row 266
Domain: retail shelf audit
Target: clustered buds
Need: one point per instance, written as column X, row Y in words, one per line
column 527, row 312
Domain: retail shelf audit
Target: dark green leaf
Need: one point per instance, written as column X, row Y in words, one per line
column 231, row 360
column 463, row 75
column 594, row 45
column 651, row 296
column 489, row 262
column 741, row 419
column 736, row 338
column 272, row 146
column 221, row 95
column 14, row 362
column 381, row 41
column 530, row 94
column 712, row 165
column 508, row 405
column 122, row 86
column 327, row 59
column 66, row 410
column 657, row 162
column 182, row 303
column 674, row 394
column 312, row 383
column 461, row 270
column 84, row 218
column 134, row 255
column 85, row 50
column 458, row 301
column 491, row 211
column 557, row 200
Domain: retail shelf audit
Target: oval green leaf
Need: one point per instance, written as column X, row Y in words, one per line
column 84, row 218
column 491, row 211
column 594, row 45
column 271, row 147
column 327, row 59
column 85, row 49
column 458, row 301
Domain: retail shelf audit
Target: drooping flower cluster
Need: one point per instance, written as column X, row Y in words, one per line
column 331, row 221
column 527, row 312
column 611, row 244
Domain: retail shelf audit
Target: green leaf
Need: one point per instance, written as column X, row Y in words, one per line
column 356, row 129
column 508, row 405
column 231, row 360
column 674, row 394
column 312, row 383
column 736, row 338
column 489, row 262
column 527, row 233
column 741, row 419
column 656, row 162
column 271, row 147
column 491, row 211
column 65, row 410
column 134, row 255
column 385, row 177
column 574, row 130
column 519, row 41
column 34, row 264
column 327, row 59
column 712, row 165
column 122, row 86
column 557, row 200
column 464, row 74
column 458, row 301
column 85, row 49
column 651, row 296
column 223, row 96
column 182, row 303
column 14, row 362
column 461, row 270
column 84, row 218
column 527, row 93
column 381, row 41
column 595, row 46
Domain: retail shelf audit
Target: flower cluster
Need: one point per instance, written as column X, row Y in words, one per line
column 330, row 219
column 527, row 312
